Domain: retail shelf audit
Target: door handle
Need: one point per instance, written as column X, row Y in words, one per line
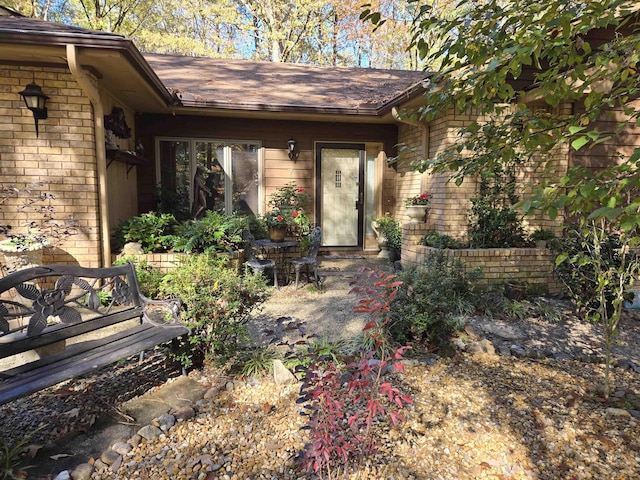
column 357, row 204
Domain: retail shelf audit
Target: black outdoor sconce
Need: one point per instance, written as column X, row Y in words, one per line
column 35, row 101
column 291, row 144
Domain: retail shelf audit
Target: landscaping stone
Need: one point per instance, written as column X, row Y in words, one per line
column 479, row 409
column 82, row 472
column 149, row 432
column 281, row 374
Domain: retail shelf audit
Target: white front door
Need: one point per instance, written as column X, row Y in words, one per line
column 340, row 206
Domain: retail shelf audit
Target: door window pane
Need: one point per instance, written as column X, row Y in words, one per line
column 369, row 196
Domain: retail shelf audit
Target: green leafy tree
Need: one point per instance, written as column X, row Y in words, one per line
column 543, row 78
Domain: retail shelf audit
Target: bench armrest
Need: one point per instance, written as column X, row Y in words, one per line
column 161, row 312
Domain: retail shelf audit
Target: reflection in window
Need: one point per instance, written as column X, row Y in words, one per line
column 233, row 173
column 244, row 161
column 173, row 192
column 210, row 155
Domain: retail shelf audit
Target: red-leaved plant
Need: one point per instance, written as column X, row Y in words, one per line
column 344, row 401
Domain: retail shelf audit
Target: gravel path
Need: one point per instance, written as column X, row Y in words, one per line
column 474, row 416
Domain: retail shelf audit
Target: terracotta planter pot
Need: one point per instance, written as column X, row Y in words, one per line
column 277, row 234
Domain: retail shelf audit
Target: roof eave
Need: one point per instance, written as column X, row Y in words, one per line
column 410, row 94
column 122, row 44
column 264, row 107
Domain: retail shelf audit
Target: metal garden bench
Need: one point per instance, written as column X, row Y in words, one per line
column 90, row 318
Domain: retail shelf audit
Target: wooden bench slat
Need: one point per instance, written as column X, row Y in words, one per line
column 71, row 351
column 87, row 361
column 57, row 333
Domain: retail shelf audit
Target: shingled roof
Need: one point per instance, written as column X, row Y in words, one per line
column 267, row 86
column 31, row 30
column 234, row 85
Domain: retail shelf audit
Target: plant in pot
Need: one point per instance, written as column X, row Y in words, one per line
column 287, row 213
column 541, row 236
column 417, row 206
column 388, row 228
column 278, row 223
column 38, row 227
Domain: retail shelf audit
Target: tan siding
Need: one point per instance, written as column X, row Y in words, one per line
column 122, row 180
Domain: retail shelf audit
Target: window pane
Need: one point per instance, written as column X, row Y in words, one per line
column 210, row 155
column 244, row 158
column 174, row 178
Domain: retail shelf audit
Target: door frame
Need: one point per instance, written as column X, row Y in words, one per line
column 362, row 154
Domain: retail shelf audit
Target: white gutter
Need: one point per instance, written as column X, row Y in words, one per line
column 93, row 94
column 425, row 129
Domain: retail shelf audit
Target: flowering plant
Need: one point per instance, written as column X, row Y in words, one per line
column 288, row 209
column 281, row 217
column 422, row 199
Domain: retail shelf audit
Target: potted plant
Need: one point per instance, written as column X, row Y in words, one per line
column 390, row 235
column 541, row 236
column 23, row 244
column 278, row 223
column 287, row 213
column 416, row 206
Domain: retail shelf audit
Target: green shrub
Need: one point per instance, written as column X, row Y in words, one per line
column 440, row 240
column 390, row 229
column 149, row 278
column 258, row 227
column 580, row 276
column 542, row 234
column 215, row 232
column 430, row 300
column 218, row 302
column 153, row 231
column 493, row 221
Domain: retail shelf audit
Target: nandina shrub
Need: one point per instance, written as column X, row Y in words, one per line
column 218, row 302
column 344, row 398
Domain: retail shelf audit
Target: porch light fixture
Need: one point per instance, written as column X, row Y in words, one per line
column 35, row 101
column 291, row 144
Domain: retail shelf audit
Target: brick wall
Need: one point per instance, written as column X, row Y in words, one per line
column 450, row 203
column 534, row 266
column 63, row 155
column 165, row 262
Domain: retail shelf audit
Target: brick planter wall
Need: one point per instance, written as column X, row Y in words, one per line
column 168, row 261
column 534, row 266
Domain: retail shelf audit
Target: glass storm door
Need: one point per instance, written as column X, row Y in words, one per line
column 341, row 191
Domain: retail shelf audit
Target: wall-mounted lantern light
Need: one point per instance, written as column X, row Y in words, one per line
column 35, row 101
column 291, row 144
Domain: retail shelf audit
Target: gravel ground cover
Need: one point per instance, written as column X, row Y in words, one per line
column 473, row 416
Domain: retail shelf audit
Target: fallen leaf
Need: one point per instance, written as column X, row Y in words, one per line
column 73, row 413
column 32, row 450
column 60, row 455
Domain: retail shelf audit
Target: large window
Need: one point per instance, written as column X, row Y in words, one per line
column 232, row 168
